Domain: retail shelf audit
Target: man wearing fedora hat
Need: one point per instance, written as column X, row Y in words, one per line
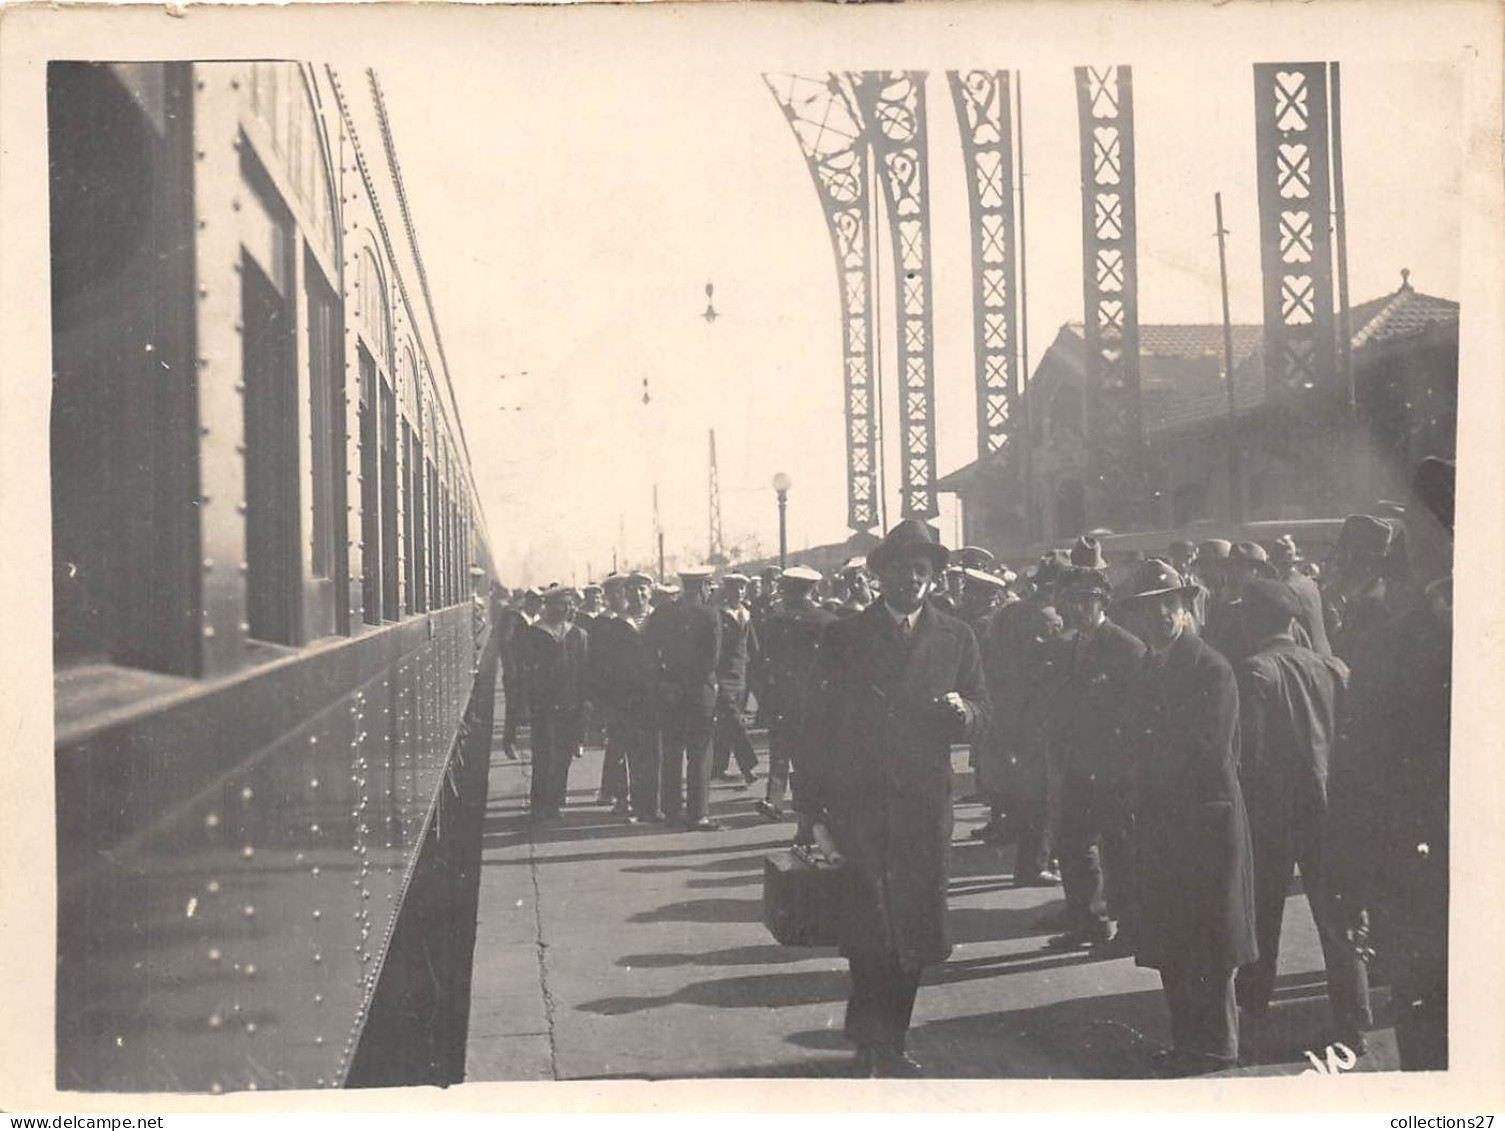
column 1288, row 708
column 1194, row 906
column 1287, row 559
column 1088, row 716
column 899, row 683
column 1358, row 592
column 686, row 634
column 553, row 677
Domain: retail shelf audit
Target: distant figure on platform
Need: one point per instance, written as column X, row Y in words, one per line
column 627, row 681
column 526, row 606
column 790, row 639
column 1288, row 704
column 769, row 598
column 1089, row 709
column 739, row 653
column 1358, row 598
column 613, row 789
column 686, row 635
column 553, row 677
column 1022, row 660
column 899, row 684
column 859, row 592
column 1288, row 560
column 1194, row 881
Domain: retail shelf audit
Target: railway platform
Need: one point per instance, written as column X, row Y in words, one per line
column 614, row 951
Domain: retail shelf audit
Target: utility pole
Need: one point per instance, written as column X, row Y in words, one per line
column 1235, row 469
column 717, row 553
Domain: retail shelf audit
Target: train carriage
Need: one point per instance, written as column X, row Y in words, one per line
column 271, row 691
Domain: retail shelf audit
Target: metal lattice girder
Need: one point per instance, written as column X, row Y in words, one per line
column 1110, row 284
column 893, row 103
column 830, row 133
column 984, row 115
column 1290, row 130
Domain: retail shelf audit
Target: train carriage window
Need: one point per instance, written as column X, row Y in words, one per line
column 417, row 535
column 389, row 587
column 370, row 518
column 435, row 517
column 122, row 427
column 326, row 396
column 269, row 369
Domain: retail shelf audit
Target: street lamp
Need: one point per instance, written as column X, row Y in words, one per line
column 781, row 484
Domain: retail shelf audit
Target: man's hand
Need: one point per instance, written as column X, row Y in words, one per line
column 953, row 705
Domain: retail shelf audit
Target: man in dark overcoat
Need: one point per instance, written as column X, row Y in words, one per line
column 686, row 635
column 1088, row 712
column 738, row 653
column 553, row 678
column 523, row 611
column 900, row 682
column 1287, row 559
column 1022, row 664
column 1288, row 705
column 1390, row 785
column 626, row 672
column 785, row 684
column 1194, row 874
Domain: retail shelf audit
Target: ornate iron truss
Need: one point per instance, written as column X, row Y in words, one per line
column 1110, row 281
column 1290, row 129
column 984, row 115
column 831, row 135
column 893, row 103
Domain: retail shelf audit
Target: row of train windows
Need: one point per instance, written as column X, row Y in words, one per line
column 137, row 535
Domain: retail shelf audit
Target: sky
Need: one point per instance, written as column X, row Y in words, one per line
column 571, row 217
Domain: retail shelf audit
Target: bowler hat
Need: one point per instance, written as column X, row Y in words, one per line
column 1284, row 551
column 1082, row 579
column 1365, row 534
column 1087, row 553
column 1252, row 555
column 909, row 536
column 1265, row 596
column 1155, row 578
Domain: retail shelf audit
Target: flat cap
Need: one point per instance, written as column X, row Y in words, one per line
column 1273, row 598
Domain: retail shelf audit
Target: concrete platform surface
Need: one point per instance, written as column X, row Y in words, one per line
column 607, row 950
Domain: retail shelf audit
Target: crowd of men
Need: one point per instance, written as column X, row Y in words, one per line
column 1170, row 749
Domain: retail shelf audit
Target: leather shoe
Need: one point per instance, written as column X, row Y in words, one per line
column 894, row 1064
column 749, row 776
column 770, row 810
column 704, row 825
column 1038, row 880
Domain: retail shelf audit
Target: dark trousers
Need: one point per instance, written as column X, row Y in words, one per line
column 782, row 735
column 513, row 709
column 1204, row 1016
column 686, row 782
column 881, row 1002
column 1421, row 1021
column 1032, row 846
column 555, row 736
column 1095, row 852
column 1279, row 849
column 637, row 736
column 614, row 763
column 731, row 736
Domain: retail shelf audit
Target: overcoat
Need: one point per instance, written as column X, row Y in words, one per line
column 878, row 760
column 1312, row 618
column 1194, row 897
column 687, row 639
column 554, row 672
column 738, row 653
column 1022, row 664
column 786, row 672
column 1091, row 701
column 624, row 668
column 1288, row 703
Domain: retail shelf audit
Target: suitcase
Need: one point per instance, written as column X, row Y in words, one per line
column 802, row 898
